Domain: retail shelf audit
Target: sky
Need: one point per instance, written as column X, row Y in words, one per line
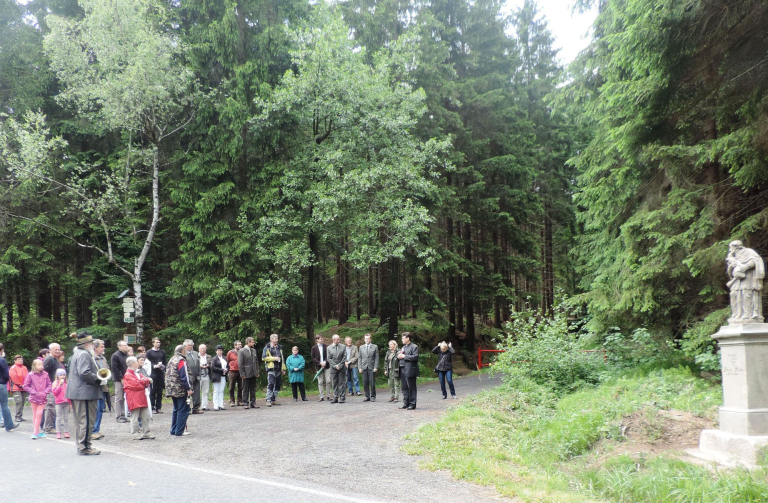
column 569, row 30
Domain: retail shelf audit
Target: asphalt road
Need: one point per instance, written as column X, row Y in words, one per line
column 297, row 452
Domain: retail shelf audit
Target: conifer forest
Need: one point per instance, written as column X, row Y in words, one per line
column 246, row 167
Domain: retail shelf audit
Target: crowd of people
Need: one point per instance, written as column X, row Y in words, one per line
column 55, row 389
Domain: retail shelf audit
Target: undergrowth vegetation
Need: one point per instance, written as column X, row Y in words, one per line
column 527, row 442
column 554, row 429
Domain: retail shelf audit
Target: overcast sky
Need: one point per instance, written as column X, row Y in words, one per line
column 570, row 30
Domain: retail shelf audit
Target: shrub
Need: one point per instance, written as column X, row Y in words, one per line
column 640, row 348
column 543, row 349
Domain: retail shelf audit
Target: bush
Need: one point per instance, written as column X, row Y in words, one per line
column 641, row 348
column 543, row 349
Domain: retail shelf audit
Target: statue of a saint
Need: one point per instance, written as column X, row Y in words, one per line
column 746, row 272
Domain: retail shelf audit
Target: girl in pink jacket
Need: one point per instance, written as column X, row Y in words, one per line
column 38, row 385
column 62, row 404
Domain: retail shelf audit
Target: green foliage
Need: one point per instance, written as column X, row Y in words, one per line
column 640, row 349
column 675, row 162
column 531, row 444
column 698, row 343
column 544, row 350
column 627, row 479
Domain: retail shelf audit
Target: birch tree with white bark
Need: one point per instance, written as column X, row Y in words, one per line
column 122, row 72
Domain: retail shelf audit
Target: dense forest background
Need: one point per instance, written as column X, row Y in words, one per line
column 249, row 166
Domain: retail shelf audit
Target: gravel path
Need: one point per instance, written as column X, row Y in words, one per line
column 351, row 449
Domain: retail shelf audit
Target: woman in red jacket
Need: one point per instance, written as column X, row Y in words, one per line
column 135, row 385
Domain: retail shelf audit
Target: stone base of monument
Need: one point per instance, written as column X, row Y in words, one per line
column 742, row 439
column 729, row 449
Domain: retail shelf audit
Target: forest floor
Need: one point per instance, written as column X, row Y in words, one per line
column 310, row 451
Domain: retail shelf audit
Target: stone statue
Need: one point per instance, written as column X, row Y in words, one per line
column 746, row 272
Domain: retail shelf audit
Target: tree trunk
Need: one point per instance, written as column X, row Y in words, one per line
column 141, row 259
column 496, row 270
column 371, row 308
column 451, row 285
column 469, row 311
column 459, row 304
column 310, row 315
column 286, row 326
column 22, row 295
column 66, row 307
column 9, row 309
column 548, row 282
column 358, row 300
column 57, row 302
column 43, row 299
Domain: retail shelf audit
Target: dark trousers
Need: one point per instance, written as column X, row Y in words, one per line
column 369, row 383
column 158, row 386
column 300, row 387
column 274, row 383
column 180, row 415
column 196, row 394
column 235, row 380
column 249, row 390
column 409, row 390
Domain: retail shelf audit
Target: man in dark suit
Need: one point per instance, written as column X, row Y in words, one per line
column 248, row 363
column 320, row 359
column 409, row 371
column 193, row 373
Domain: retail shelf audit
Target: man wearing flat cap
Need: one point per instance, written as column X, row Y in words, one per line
column 84, row 391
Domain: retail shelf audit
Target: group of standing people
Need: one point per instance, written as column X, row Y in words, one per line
column 141, row 382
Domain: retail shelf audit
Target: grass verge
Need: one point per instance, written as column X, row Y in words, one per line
column 530, row 444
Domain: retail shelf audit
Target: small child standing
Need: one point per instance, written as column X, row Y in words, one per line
column 134, row 385
column 59, row 390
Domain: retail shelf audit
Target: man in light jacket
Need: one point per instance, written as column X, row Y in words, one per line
column 337, row 357
column 84, row 391
column 368, row 363
column 319, row 358
column 248, row 363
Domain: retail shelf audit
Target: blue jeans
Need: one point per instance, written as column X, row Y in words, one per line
column 442, row 376
column 99, row 412
column 353, row 382
column 6, row 412
column 180, row 415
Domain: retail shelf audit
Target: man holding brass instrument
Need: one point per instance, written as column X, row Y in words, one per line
column 84, row 391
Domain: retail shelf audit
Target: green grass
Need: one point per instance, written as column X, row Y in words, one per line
column 527, row 443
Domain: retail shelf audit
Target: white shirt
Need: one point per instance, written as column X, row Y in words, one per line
column 322, row 356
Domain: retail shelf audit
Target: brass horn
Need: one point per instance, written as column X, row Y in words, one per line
column 104, row 373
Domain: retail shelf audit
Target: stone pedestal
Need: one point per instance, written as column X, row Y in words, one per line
column 744, row 414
